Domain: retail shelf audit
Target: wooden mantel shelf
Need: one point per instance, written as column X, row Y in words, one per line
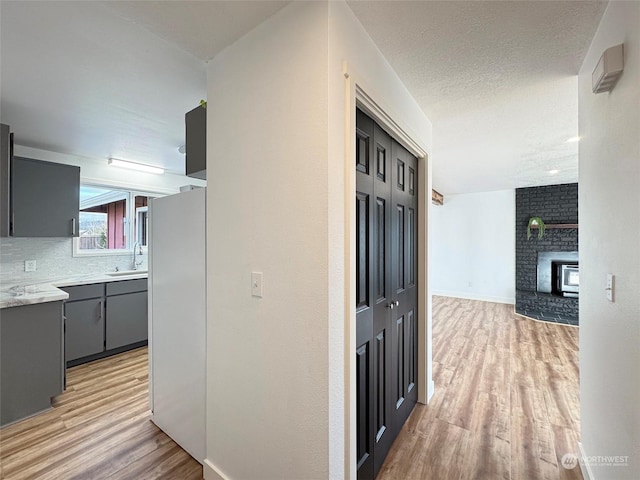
column 557, row 225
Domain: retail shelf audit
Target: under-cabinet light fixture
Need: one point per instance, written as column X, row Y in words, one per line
column 114, row 162
column 573, row 140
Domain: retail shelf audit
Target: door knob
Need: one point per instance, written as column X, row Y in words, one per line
column 397, row 303
column 391, row 305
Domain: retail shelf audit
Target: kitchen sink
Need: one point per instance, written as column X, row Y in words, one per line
column 124, row 273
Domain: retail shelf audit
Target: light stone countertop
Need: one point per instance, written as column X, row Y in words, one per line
column 48, row 291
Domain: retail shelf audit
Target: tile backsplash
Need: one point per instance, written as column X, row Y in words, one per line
column 54, row 260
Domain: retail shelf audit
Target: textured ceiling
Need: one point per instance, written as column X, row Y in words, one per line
column 497, row 80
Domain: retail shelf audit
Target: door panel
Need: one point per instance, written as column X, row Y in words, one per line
column 411, row 247
column 412, row 352
column 381, row 385
column 385, row 281
column 363, row 419
column 380, row 242
column 399, row 362
column 399, row 263
column 362, row 250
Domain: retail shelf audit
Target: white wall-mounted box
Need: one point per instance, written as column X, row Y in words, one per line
column 608, row 69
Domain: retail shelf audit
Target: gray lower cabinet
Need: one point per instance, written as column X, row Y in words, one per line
column 127, row 319
column 84, row 328
column 104, row 318
column 31, row 359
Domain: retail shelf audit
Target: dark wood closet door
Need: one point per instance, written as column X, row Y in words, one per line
column 384, row 312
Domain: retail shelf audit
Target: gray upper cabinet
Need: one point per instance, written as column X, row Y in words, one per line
column 196, row 134
column 6, row 151
column 45, row 199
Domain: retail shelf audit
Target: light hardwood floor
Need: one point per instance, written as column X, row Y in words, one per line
column 506, row 407
column 506, row 400
column 99, row 428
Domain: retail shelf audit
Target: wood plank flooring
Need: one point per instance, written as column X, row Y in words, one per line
column 506, row 407
column 99, row 428
column 506, row 401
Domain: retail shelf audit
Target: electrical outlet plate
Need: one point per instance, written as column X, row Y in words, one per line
column 29, row 265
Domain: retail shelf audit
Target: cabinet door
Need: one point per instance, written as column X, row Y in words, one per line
column 6, row 150
column 84, row 328
column 31, row 364
column 196, row 133
column 126, row 319
column 45, row 199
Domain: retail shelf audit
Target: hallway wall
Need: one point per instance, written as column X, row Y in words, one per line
column 609, row 239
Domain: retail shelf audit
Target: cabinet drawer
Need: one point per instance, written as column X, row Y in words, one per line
column 82, row 292
column 127, row 286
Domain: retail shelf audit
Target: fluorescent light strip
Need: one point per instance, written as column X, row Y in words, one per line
column 114, row 162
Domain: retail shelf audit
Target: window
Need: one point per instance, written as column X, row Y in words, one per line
column 111, row 220
column 142, row 225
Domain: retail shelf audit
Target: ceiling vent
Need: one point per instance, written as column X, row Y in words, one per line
column 608, row 70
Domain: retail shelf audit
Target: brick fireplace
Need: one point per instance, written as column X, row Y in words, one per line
column 538, row 294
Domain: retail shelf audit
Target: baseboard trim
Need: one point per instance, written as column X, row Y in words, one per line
column 474, row 296
column 431, row 389
column 211, row 472
column 585, row 468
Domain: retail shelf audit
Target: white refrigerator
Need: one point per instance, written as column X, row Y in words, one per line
column 177, row 318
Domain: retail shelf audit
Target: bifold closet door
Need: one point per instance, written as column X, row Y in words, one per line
column 386, row 269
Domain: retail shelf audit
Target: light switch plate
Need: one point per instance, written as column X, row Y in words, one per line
column 256, row 284
column 29, row 265
column 610, row 286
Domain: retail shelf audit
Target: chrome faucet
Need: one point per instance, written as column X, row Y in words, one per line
column 137, row 250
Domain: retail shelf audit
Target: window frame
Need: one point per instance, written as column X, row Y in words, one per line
column 130, row 227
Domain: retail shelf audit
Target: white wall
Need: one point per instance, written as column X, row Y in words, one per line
column 609, row 124
column 276, row 204
column 474, row 251
column 267, row 358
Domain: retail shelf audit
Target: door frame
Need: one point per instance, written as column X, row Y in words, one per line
column 378, row 107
